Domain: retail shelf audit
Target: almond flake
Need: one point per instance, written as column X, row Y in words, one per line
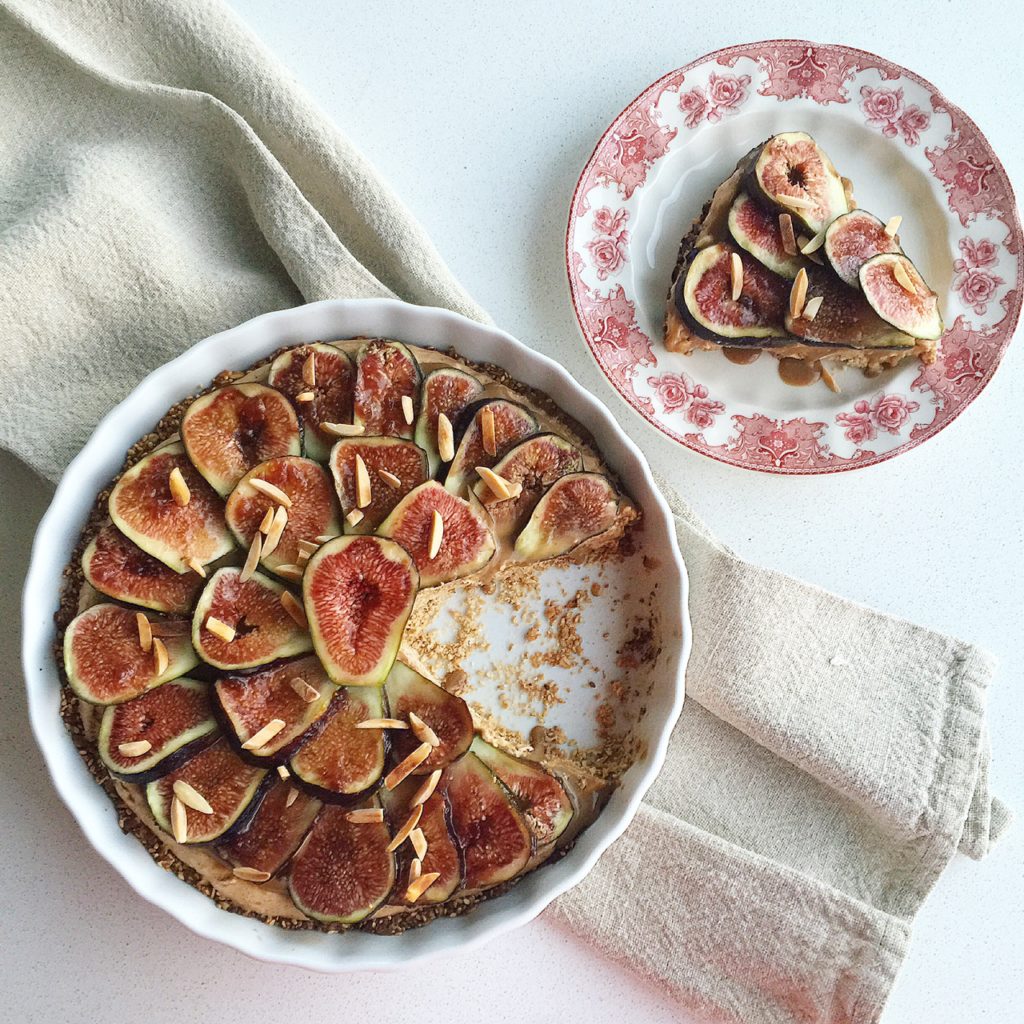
column 293, row 795
column 325, row 537
column 903, row 278
column 197, row 567
column 303, row 558
column 827, row 378
column 446, row 438
column 275, row 531
column 283, row 772
column 366, row 816
column 294, row 608
column 136, row 748
column 160, row 656
column 798, row 294
column 814, row 244
column 408, row 766
column 812, row 306
column 308, row 547
column 497, row 485
column 797, row 202
column 736, row 274
column 403, row 833
column 253, row 558
column 354, row 518
column 305, row 396
column 220, row 629
column 436, row 534
column 191, row 797
column 265, row 735
column 305, row 690
column 421, row 885
column 363, row 495
column 381, row 723
column 424, row 793
column 415, row 869
column 788, row 236
column 290, row 571
column 309, row 370
column 892, row 225
column 408, row 409
column 422, row 731
column 487, row 434
column 419, row 842
column 267, row 521
column 145, row 632
column 179, row 820
column 389, row 478
column 179, row 489
column 251, row 874
column 342, row 429
column 272, row 491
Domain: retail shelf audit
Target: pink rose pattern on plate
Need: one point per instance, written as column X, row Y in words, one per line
column 888, row 99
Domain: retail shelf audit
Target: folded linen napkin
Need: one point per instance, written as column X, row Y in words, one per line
column 166, row 178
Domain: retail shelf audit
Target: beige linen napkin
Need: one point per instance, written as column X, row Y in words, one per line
column 164, row 178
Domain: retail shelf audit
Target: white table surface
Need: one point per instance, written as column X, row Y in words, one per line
column 482, row 121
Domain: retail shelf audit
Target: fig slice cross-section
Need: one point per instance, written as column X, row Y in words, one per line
column 105, row 662
column 386, row 373
column 234, row 428
column 575, row 508
column 296, row 693
column 143, row 508
column 263, row 629
column 358, row 594
column 756, row 229
column 327, row 395
column 466, row 540
column 449, row 391
column 311, row 514
column 852, row 239
column 344, row 870
column 899, row 295
column 512, row 423
column 120, row 569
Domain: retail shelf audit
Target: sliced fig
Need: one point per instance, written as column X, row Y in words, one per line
column 443, row 855
column 232, row 429
column 143, row 508
column 344, row 871
column 530, row 468
column 312, row 513
column 572, row 510
column 899, row 295
column 512, row 423
column 844, row 317
column 358, row 594
column 756, row 229
column 391, row 455
column 333, row 380
column 276, row 831
column 851, row 240
column 232, row 788
column 105, row 662
column 466, row 542
column 175, row 719
column 449, row 717
column 448, row 391
column 296, row 693
column 122, row 570
column 546, row 805
column 703, row 297
column 340, row 762
column 495, row 841
column 790, row 173
column 386, row 372
column 263, row 629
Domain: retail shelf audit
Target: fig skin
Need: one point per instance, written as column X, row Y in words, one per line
column 575, row 508
column 445, row 390
column 386, row 371
column 513, row 423
column 229, row 431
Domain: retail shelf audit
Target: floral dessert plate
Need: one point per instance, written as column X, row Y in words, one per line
column 909, row 153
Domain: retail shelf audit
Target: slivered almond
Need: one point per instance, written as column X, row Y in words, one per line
column 446, row 438
column 219, row 628
column 160, row 656
column 797, row 202
column 275, row 531
column 424, row 793
column 422, row 731
column 812, row 306
column 736, row 274
column 251, row 874
column 892, row 225
column 408, row 766
column 903, row 278
column 305, row 690
column 798, row 294
column 788, row 235
column 415, row 869
column 303, row 558
column 354, row 518
column 191, row 797
column 293, row 795
column 145, row 632
column 283, row 772
column 179, row 820
column 325, row 537
column 309, row 370
column 264, row 735
column 267, row 521
column 342, row 429
column 252, row 559
column 421, row 885
column 363, row 494
column 197, row 567
column 272, row 491
column 179, row 489
column 497, row 485
column 308, row 546
column 403, row 833
column 294, row 609
column 305, row 396
column 830, row 381
column 366, row 816
column 814, row 244
column 487, row 434
column 436, row 534
column 419, row 842
column 381, row 723
column 136, row 748
column 389, row 478
column 290, row 571
column 408, row 409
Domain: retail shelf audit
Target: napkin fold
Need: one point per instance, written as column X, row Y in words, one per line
column 165, row 178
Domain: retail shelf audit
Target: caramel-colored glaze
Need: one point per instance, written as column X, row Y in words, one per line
column 799, row 373
column 741, row 356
